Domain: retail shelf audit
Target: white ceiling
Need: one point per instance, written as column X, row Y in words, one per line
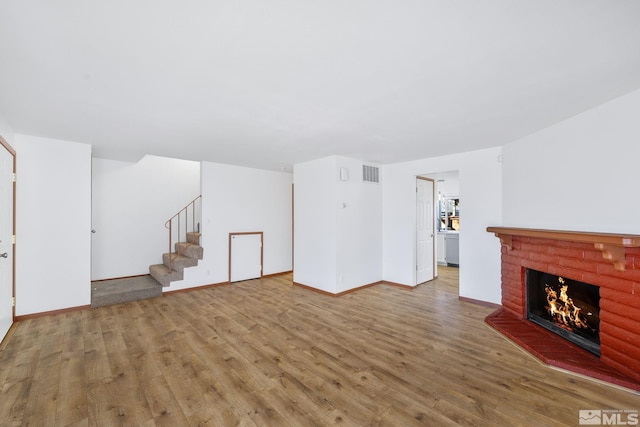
column 271, row 83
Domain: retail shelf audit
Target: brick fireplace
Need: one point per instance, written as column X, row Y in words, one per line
column 609, row 261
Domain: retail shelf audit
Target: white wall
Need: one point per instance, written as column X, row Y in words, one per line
column 130, row 204
column 53, row 237
column 580, row 174
column 359, row 228
column 315, row 226
column 240, row 199
column 6, row 132
column 338, row 226
column 450, row 185
column 480, row 187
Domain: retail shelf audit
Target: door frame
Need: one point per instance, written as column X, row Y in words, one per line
column 433, row 232
column 261, row 233
column 11, row 151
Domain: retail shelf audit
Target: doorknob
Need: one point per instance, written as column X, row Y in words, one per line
column 4, row 255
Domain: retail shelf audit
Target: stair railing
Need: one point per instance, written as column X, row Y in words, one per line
column 175, row 222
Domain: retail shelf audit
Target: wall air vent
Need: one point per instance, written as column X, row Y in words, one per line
column 370, row 174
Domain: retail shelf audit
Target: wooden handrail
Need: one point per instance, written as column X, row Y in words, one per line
column 177, row 217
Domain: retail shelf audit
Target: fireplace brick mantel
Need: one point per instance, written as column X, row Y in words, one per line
column 609, row 261
column 613, row 246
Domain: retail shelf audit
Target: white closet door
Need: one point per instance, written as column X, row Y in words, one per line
column 424, row 231
column 246, row 257
column 6, row 246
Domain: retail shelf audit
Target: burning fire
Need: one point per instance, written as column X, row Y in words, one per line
column 562, row 310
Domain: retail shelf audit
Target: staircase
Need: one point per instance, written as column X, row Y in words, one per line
column 173, row 264
column 127, row 289
column 188, row 251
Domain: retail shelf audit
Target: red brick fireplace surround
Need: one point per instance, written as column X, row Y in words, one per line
column 610, row 261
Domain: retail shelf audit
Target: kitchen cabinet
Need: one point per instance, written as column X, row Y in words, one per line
column 452, row 248
column 447, row 248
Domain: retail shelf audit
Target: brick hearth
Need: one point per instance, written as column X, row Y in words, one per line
column 610, row 261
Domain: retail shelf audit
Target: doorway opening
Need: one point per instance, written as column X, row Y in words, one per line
column 446, row 221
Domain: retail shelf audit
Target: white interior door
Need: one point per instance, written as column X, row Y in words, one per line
column 245, row 260
column 6, row 245
column 424, row 230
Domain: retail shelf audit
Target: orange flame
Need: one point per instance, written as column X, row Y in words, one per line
column 562, row 310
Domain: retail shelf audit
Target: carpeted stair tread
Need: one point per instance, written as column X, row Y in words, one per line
column 189, row 250
column 163, row 275
column 179, row 262
column 193, row 238
column 116, row 291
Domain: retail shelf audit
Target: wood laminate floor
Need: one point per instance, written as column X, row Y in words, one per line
column 266, row 353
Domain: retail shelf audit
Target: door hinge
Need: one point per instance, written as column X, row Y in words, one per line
column 13, row 301
column 13, row 239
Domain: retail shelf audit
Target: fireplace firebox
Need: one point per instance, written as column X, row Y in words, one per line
column 569, row 308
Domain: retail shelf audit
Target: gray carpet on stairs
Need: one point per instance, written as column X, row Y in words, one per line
column 116, row 291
